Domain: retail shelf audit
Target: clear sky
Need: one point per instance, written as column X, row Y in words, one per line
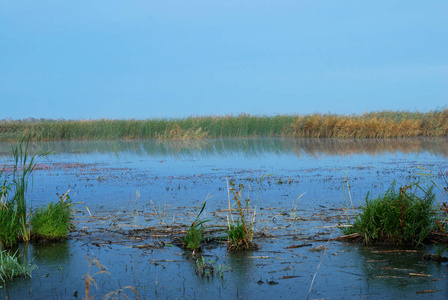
column 144, row 59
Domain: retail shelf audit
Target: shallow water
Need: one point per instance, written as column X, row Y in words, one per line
column 123, row 185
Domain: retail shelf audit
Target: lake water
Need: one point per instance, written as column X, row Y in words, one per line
column 298, row 186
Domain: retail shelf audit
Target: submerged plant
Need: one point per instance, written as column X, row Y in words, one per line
column 403, row 216
column 160, row 212
column 11, row 267
column 53, row 221
column 439, row 250
column 195, row 234
column 241, row 232
column 208, row 269
column 89, row 280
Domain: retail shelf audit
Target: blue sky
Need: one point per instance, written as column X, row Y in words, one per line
column 146, row 59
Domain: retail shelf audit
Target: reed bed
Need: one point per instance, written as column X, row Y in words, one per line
column 384, row 124
column 175, row 129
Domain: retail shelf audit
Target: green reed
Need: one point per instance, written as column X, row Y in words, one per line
column 178, row 129
column 9, row 224
column 195, row 234
column 9, row 220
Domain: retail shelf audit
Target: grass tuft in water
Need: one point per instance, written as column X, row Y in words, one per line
column 209, row 269
column 400, row 216
column 193, row 238
column 240, row 237
column 11, row 267
column 240, row 232
column 22, row 170
column 53, row 221
column 13, row 205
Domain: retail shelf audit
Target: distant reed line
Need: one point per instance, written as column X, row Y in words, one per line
column 382, row 124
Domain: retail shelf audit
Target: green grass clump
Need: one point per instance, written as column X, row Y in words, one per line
column 240, row 237
column 9, row 225
column 193, row 238
column 208, row 269
column 403, row 216
column 10, row 267
column 195, row 234
column 240, row 233
column 9, row 219
column 53, row 221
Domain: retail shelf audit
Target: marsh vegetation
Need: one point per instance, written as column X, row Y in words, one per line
column 383, row 124
column 11, row 267
column 403, row 216
column 19, row 223
column 195, row 234
column 241, row 231
column 53, row 221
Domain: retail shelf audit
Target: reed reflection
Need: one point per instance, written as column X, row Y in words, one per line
column 245, row 146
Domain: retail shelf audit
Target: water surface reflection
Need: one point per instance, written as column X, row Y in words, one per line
column 246, row 146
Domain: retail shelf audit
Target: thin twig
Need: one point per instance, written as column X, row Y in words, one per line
column 230, row 206
column 349, row 194
column 314, row 277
